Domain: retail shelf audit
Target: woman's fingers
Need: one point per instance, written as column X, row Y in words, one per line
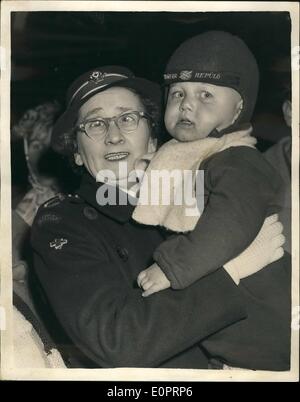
column 277, row 227
column 271, row 219
column 279, row 240
column 277, row 254
column 272, row 230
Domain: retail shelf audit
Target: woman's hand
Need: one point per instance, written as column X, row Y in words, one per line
column 152, row 280
column 265, row 249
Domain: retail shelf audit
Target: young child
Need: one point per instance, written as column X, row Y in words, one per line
column 212, row 84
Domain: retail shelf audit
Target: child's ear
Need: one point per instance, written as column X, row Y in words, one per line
column 152, row 145
column 78, row 159
column 239, row 108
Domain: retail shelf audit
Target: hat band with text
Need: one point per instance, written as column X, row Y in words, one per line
column 220, row 78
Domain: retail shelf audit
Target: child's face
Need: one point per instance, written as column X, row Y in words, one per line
column 195, row 109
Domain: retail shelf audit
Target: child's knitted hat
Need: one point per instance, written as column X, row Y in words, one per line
column 217, row 58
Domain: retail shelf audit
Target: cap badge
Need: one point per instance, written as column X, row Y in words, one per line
column 185, row 75
column 97, row 76
column 90, row 213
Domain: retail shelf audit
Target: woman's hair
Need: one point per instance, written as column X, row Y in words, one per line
column 154, row 111
column 151, row 108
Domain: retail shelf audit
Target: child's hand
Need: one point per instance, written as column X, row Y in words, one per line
column 152, row 280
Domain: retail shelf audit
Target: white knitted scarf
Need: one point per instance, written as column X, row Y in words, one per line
column 183, row 156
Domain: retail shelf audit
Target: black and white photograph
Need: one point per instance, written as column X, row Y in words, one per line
column 149, row 191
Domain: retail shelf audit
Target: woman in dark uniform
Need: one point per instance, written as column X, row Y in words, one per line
column 87, row 255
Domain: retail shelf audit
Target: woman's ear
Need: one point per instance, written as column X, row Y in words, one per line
column 152, row 145
column 78, row 159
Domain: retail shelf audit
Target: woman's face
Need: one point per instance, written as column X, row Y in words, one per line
column 116, row 149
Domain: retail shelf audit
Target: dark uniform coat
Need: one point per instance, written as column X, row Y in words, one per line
column 87, row 258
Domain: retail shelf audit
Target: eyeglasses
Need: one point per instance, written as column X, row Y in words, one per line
column 127, row 122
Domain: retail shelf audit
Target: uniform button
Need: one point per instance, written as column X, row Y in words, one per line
column 90, row 213
column 123, row 253
column 76, row 199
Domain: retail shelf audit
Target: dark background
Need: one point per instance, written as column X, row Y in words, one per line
column 50, row 49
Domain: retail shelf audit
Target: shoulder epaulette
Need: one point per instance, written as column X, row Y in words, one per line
column 56, row 200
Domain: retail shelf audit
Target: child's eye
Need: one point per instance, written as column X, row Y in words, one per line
column 205, row 95
column 177, row 94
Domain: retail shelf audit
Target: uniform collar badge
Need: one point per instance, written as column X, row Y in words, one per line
column 58, row 243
